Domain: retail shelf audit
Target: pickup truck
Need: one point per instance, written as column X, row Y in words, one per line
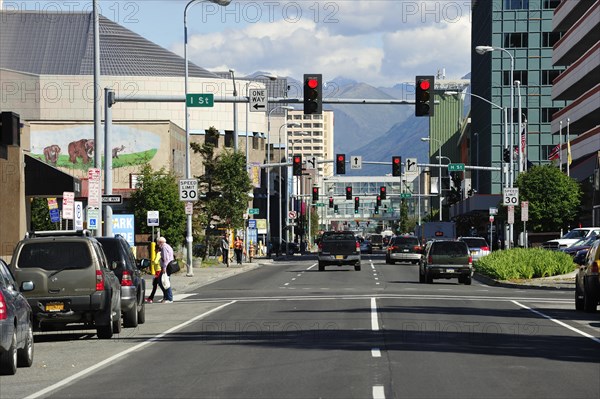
column 339, row 248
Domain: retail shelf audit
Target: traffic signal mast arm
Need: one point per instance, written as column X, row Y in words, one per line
column 435, row 165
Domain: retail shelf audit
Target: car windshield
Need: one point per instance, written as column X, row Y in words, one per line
column 55, row 255
column 475, row 242
column 449, row 248
column 586, row 241
column 575, row 234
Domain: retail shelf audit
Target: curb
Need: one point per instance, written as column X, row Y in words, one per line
column 526, row 284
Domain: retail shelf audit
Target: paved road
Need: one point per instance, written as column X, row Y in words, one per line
column 285, row 330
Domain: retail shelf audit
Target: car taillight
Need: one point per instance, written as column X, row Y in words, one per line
column 595, row 267
column 126, row 281
column 429, row 259
column 485, row 248
column 99, row 281
column 358, row 246
column 470, row 260
column 391, row 248
column 3, row 310
column 417, row 248
column 320, row 246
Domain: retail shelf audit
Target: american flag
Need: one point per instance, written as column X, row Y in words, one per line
column 555, row 153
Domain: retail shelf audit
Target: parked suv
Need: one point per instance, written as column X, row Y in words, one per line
column 403, row 249
column 74, row 283
column 133, row 287
column 587, row 281
column 446, row 259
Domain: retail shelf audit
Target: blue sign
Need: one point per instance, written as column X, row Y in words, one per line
column 252, row 236
column 251, row 223
column 54, row 215
column 123, row 225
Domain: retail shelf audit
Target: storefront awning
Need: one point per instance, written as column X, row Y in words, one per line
column 43, row 180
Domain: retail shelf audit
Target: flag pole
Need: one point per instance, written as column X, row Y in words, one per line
column 569, row 157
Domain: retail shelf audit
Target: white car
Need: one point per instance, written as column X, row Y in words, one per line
column 571, row 237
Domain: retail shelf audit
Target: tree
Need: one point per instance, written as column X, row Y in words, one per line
column 159, row 191
column 554, row 198
column 40, row 215
column 403, row 227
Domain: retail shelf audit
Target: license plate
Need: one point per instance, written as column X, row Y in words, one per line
column 55, row 307
column 473, row 252
column 449, row 270
column 339, row 256
column 405, row 250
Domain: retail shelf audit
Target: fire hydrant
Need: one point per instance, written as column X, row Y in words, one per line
column 251, row 252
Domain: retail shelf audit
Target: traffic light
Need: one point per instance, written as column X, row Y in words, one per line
column 356, row 204
column 376, row 209
column 382, row 192
column 378, row 200
column 315, row 196
column 424, row 96
column 336, row 209
column 396, row 166
column 506, row 154
column 349, row 192
column 313, row 94
column 340, row 164
column 297, row 165
column 331, row 202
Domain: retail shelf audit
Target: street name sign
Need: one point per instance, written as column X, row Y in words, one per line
column 319, row 204
column 258, row 100
column 456, row 167
column 511, row 196
column 200, row 100
column 253, row 211
column 188, row 190
column 405, row 195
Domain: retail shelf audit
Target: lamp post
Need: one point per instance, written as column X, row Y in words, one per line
column 235, row 116
column 188, row 169
column 440, row 173
column 286, row 107
column 286, row 125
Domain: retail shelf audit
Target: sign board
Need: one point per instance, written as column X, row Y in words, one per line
column 292, row 214
column 67, row 208
column 253, row 211
column 319, row 204
column 189, row 208
column 188, row 190
column 524, row 211
column 456, row 167
column 78, row 215
column 112, row 199
column 511, row 214
column 200, row 100
column 355, row 162
column 54, row 215
column 153, row 218
column 493, row 211
column 491, row 219
column 123, row 225
column 405, row 195
column 252, row 223
column 258, row 100
column 411, row 168
column 511, row 196
column 93, row 216
column 94, row 187
column 261, row 226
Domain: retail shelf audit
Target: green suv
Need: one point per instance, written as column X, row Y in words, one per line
column 446, row 259
column 73, row 281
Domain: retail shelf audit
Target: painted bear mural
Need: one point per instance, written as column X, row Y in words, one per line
column 83, row 149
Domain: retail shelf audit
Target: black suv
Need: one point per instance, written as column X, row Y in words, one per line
column 133, row 287
column 446, row 259
column 74, row 283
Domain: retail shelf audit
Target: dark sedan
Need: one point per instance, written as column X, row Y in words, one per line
column 16, row 324
column 583, row 244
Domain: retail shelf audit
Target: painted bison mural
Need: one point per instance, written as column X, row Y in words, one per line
column 83, row 149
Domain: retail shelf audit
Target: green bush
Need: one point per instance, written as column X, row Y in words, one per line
column 524, row 263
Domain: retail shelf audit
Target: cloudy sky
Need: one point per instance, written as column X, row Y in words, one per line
column 379, row 42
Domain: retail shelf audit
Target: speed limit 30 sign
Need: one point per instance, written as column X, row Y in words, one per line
column 188, row 190
column 511, row 196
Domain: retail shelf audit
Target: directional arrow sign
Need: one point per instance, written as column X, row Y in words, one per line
column 355, row 162
column 411, row 167
column 258, row 100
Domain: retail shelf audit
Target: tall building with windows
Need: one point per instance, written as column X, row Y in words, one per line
column 521, row 30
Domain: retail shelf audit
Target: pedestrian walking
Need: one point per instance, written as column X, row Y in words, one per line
column 238, row 248
column 166, row 256
column 155, row 269
column 225, row 249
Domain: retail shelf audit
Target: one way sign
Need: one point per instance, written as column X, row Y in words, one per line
column 258, row 100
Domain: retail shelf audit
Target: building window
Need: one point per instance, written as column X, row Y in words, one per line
column 549, row 39
column 516, row 4
column 307, row 125
column 521, row 76
column 228, row 138
column 549, row 75
column 297, row 116
column 255, row 138
column 551, row 4
column 547, row 114
column 513, row 40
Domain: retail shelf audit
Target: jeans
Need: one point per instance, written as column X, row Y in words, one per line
column 167, row 293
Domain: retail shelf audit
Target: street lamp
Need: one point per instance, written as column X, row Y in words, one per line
column 286, row 107
column 287, row 156
column 188, row 168
column 440, row 173
column 270, row 77
column 286, row 125
column 235, row 116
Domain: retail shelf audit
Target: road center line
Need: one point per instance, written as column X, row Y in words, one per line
column 374, row 319
column 376, row 352
column 558, row 322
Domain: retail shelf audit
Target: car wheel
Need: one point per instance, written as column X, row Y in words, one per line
column 421, row 277
column 25, row 355
column 130, row 318
column 428, row 277
column 578, row 296
column 590, row 302
column 105, row 331
column 142, row 313
column 8, row 360
column 357, row 267
column 468, row 280
column 321, row 267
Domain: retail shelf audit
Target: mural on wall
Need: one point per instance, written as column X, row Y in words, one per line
column 73, row 148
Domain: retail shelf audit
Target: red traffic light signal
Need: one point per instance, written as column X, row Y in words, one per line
column 396, row 166
column 424, row 95
column 378, row 200
column 349, row 192
column 340, row 164
column 315, row 194
column 382, row 192
column 313, row 94
column 297, row 165
column 331, row 202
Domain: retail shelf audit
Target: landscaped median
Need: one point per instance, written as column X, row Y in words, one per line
column 524, row 263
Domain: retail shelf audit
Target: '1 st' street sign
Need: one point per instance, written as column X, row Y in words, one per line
column 200, row 100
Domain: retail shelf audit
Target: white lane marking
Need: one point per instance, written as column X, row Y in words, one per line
column 286, row 284
column 113, row 358
column 377, row 283
column 294, row 279
column 299, row 275
column 374, row 319
column 179, row 297
column 376, row 352
column 311, row 266
column 378, row 392
column 560, row 323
